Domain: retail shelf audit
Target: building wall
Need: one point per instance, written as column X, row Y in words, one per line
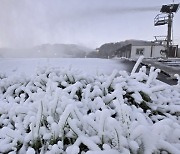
column 148, row 51
column 156, row 51
column 126, row 54
column 178, row 53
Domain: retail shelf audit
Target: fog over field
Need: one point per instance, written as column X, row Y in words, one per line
column 25, row 24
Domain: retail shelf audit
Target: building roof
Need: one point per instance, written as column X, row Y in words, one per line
column 130, row 43
column 143, row 43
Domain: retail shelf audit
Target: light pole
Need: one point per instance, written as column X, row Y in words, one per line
column 166, row 17
column 169, row 38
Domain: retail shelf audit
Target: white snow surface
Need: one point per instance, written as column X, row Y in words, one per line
column 88, row 65
column 86, row 106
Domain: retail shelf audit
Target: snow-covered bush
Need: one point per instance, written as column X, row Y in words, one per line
column 66, row 111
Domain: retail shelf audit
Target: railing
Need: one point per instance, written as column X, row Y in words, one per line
column 160, row 38
column 161, row 19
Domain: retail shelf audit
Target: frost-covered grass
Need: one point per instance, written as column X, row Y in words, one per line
column 67, row 111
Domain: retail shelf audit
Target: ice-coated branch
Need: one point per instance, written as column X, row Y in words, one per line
column 116, row 114
column 38, row 120
column 64, row 117
column 137, row 64
column 152, row 76
column 178, row 78
column 103, row 116
column 113, row 123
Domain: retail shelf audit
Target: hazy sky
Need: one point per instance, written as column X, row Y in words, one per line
column 25, row 23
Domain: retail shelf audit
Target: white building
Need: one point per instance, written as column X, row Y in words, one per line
column 135, row 49
column 147, row 51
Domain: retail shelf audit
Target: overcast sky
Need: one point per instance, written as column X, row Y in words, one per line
column 91, row 23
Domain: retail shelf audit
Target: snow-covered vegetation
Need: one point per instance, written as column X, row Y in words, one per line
column 66, row 111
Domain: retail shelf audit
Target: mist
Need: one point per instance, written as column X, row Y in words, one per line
column 27, row 23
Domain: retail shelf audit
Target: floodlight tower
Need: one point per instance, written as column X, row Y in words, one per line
column 166, row 17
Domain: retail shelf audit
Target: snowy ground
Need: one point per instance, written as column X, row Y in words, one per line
column 29, row 66
column 86, row 106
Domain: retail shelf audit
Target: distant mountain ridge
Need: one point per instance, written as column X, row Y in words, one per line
column 106, row 50
column 47, row 51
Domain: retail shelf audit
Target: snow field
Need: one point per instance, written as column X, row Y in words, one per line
column 66, row 111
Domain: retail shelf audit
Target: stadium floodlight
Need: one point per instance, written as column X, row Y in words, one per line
column 171, row 8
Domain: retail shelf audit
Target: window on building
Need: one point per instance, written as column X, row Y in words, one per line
column 140, row 51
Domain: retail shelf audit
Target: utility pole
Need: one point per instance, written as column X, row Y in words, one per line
column 169, row 38
column 166, row 17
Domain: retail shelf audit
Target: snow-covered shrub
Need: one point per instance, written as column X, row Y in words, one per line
column 178, row 78
column 64, row 111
